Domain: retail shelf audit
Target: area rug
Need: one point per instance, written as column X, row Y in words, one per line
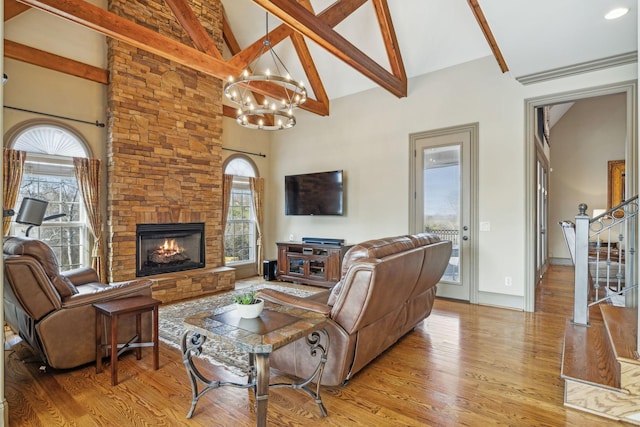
column 171, row 327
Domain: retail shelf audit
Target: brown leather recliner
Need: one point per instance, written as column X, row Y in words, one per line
column 388, row 286
column 53, row 311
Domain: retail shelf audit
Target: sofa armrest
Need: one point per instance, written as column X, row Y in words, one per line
column 81, row 276
column 293, row 301
column 107, row 293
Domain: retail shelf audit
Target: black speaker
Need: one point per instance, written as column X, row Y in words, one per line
column 270, row 269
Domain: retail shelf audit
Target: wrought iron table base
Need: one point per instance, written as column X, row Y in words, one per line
column 258, row 375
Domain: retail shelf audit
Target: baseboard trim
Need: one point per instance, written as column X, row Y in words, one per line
column 513, row 302
column 560, row 261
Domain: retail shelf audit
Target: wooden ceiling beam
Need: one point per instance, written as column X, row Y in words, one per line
column 339, row 11
column 94, row 18
column 309, row 67
column 300, row 19
column 308, row 64
column 246, row 55
column 332, row 16
column 390, row 40
column 234, row 47
column 488, row 34
column 86, row 14
column 228, row 36
column 12, row 9
column 193, row 27
column 320, row 107
column 48, row 60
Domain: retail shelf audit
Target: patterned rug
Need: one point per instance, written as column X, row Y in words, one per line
column 171, row 327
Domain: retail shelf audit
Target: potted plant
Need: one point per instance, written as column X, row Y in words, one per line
column 248, row 306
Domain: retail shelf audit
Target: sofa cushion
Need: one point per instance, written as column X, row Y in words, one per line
column 39, row 250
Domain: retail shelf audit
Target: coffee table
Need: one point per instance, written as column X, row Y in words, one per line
column 277, row 326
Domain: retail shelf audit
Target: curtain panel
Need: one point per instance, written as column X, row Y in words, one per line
column 88, row 174
column 227, row 183
column 257, row 194
column 13, row 168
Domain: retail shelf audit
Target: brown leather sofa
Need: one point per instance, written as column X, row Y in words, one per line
column 387, row 288
column 53, row 311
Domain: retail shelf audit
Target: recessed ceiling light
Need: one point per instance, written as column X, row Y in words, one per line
column 616, row 13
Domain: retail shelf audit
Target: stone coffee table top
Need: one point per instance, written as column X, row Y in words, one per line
column 277, row 326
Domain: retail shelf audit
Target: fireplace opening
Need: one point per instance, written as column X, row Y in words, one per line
column 166, row 248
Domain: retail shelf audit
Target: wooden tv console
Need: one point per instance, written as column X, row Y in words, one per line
column 310, row 263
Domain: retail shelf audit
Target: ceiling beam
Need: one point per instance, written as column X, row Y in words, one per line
column 309, row 67
column 193, row 27
column 12, row 9
column 389, row 38
column 300, row 19
column 86, row 14
column 308, row 64
column 488, row 34
column 331, row 16
column 97, row 19
column 48, row 60
column 320, row 106
column 228, row 36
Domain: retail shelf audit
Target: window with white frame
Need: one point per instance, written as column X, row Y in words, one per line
column 49, row 175
column 240, row 233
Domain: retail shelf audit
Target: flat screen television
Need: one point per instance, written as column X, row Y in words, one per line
column 320, row 193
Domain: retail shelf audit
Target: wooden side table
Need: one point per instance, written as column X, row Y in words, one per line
column 112, row 310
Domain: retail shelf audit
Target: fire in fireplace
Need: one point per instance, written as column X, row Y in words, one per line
column 165, row 248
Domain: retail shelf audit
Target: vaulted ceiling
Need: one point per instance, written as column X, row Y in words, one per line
column 342, row 47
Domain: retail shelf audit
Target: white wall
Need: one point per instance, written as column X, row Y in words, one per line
column 367, row 135
column 592, row 132
column 37, row 89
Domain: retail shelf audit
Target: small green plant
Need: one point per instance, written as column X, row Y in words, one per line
column 245, row 299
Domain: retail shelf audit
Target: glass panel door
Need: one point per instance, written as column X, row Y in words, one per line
column 442, row 182
column 442, row 201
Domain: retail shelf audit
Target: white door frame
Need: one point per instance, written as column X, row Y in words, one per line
column 631, row 154
column 472, row 258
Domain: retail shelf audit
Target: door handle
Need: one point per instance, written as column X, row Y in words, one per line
column 465, row 237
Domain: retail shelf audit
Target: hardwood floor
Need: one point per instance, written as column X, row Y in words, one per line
column 465, row 365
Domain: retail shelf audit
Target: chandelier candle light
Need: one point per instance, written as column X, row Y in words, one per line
column 272, row 113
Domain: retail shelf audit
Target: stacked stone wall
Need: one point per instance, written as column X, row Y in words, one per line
column 164, row 161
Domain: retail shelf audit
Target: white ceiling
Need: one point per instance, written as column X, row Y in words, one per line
column 534, row 36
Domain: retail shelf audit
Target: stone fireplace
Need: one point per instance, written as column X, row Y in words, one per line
column 164, row 150
column 167, row 248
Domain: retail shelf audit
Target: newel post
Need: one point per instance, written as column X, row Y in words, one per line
column 581, row 283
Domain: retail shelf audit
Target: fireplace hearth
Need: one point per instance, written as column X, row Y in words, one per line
column 170, row 247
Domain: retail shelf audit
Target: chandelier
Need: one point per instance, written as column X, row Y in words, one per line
column 274, row 111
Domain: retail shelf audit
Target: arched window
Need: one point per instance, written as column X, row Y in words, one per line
column 49, row 175
column 240, row 234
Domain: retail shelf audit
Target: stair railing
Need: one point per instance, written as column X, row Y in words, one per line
column 605, row 248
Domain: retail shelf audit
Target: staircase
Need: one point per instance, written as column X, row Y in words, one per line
column 600, row 358
column 599, row 364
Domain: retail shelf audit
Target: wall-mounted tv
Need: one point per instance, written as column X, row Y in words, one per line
column 320, row 193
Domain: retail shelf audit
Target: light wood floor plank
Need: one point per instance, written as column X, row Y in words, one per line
column 465, row 365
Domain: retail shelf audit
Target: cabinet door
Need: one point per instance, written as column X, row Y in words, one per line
column 296, row 265
column 333, row 265
column 282, row 259
column 318, row 268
